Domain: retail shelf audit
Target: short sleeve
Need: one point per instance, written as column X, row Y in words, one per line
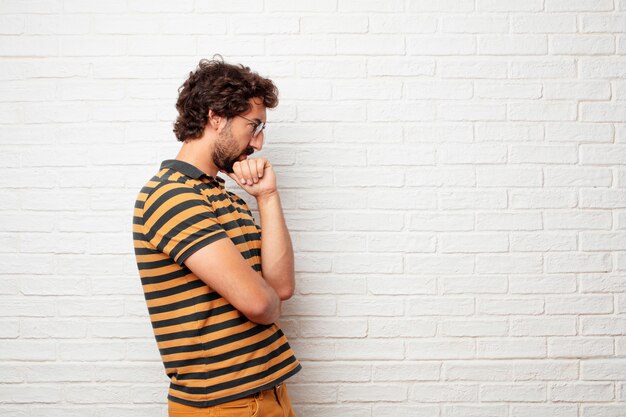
column 178, row 221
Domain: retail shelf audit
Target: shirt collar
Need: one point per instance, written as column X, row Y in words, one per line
column 188, row 169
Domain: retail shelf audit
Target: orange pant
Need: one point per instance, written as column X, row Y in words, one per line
column 273, row 402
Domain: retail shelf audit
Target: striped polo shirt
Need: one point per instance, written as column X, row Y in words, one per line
column 211, row 351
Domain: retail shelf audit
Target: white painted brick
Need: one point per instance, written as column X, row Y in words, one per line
column 56, row 25
column 333, row 23
column 367, row 263
column 9, row 329
column 371, row 306
column 55, row 372
column 543, row 68
column 439, row 264
column 579, row 347
column 427, row 45
column 333, row 328
column 372, row 393
column 578, row 5
column 369, row 221
column 572, row 44
column 585, row 392
column 508, row 132
column 396, row 66
column 515, row 393
column 434, row 221
column 515, row 90
column 543, row 22
column 499, row 306
column 508, row 263
column 394, row 242
column 314, row 350
column 471, row 112
column 602, row 23
column 309, row 306
column 577, row 177
column 96, row 307
column 331, row 68
column 544, row 198
column 335, row 285
column 437, row 177
column 441, row 348
column 441, row 6
column 454, row 306
column 344, row 111
column 544, row 241
column 578, row 219
column 472, row 200
column 148, row 6
column 26, row 350
column 28, row 46
column 487, row 284
column 599, row 198
column 371, row 45
column 443, row 392
column 148, row 394
column 382, row 111
column 602, row 369
column 398, row 328
column 411, row 371
column 578, row 261
column 541, row 326
column 368, row 349
column 420, row 90
column 394, row 23
column 508, row 6
column 513, row 348
column 301, row 45
column 332, row 372
column 474, row 24
column 513, row 45
column 602, row 410
column 602, row 283
column 600, row 326
column 406, row 155
column 397, row 199
column 96, row 394
column 367, row 89
column 397, row 285
column 472, row 242
column 472, row 328
column 30, row 394
column 312, row 263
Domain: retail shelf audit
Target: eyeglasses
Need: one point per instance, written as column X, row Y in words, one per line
column 258, row 126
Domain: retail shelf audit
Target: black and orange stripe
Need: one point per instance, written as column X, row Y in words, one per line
column 211, row 352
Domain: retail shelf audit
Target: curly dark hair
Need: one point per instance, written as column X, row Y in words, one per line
column 224, row 88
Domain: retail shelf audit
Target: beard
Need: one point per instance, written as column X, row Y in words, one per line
column 226, row 152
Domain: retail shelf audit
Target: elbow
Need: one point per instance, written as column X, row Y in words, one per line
column 264, row 310
column 285, row 292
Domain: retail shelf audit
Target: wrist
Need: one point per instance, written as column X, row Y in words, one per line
column 262, row 198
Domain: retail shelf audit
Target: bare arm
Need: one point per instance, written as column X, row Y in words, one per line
column 277, row 261
column 221, row 266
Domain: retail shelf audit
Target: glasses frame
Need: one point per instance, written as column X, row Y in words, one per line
column 258, row 126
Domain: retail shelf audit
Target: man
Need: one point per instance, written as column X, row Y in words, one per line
column 212, row 302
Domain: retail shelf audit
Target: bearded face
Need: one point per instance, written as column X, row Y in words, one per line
column 228, row 149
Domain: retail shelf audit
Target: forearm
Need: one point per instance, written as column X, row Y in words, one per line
column 277, row 262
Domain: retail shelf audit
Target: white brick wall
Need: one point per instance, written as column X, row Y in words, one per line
column 452, row 173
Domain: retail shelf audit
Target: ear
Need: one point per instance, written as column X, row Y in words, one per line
column 214, row 120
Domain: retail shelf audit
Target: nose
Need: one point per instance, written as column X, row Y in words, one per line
column 257, row 142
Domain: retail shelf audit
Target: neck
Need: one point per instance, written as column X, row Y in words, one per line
column 197, row 153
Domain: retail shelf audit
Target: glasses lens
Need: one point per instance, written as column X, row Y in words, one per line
column 259, row 128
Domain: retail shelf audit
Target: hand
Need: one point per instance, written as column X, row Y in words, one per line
column 255, row 176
